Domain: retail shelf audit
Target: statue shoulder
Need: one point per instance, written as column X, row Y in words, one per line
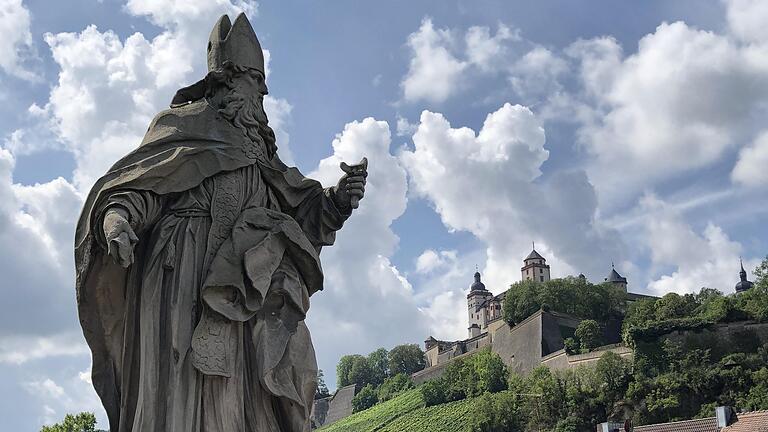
column 195, row 119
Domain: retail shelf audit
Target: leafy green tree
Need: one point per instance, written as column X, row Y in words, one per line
column 757, row 398
column 361, row 372
column 571, row 295
column 571, row 346
column 569, row 424
column 379, row 363
column 589, row 335
column 322, row 388
column 521, row 301
column 614, row 375
column 406, row 359
column 754, row 302
column 486, row 373
column 434, row 392
column 673, row 305
column 393, row 386
column 343, row 369
column 364, row 399
column 83, row 422
column 761, row 272
column 499, row 413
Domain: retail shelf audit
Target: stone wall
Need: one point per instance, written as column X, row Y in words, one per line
column 561, row 360
column 320, row 412
column 724, row 338
column 520, row 346
column 340, row 404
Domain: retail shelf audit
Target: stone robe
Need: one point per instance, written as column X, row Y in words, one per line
column 205, row 330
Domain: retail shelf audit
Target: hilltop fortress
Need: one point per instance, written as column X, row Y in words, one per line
column 536, row 340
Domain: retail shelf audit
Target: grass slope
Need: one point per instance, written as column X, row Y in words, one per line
column 407, row 413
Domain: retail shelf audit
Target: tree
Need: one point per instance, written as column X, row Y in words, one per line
column 322, row 388
column 406, row 359
column 499, row 413
column 364, row 399
column 521, row 301
column 614, row 375
column 571, row 295
column 360, row 373
column 589, row 335
column 393, row 386
column 434, row 392
column 83, row 422
column 343, row 369
column 379, row 363
column 488, row 373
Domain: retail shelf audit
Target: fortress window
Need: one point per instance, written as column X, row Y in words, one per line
column 541, row 278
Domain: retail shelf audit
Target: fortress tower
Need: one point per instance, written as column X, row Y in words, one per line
column 476, row 297
column 535, row 267
column 618, row 280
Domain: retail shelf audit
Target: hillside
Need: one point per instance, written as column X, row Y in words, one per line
column 407, row 413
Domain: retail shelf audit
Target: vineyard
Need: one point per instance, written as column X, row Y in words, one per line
column 407, row 413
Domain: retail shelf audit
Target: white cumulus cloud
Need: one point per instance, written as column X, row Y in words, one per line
column 434, row 72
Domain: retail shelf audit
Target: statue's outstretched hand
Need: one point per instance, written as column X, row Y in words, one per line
column 351, row 187
column 120, row 236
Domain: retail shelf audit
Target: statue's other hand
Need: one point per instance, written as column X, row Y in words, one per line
column 351, row 187
column 120, row 236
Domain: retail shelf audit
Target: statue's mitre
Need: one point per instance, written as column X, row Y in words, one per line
column 236, row 43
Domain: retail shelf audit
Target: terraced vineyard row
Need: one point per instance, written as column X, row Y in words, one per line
column 407, row 413
column 451, row 417
column 377, row 417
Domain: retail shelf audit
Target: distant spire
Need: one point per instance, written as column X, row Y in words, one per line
column 533, row 245
column 742, row 273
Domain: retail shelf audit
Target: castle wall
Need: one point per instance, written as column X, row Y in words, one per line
column 520, row 346
column 431, row 355
column 340, row 405
column 561, row 360
column 320, row 411
column 743, row 336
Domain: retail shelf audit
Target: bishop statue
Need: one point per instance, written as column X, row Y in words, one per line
column 196, row 256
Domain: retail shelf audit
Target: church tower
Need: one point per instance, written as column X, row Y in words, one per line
column 476, row 297
column 535, row 267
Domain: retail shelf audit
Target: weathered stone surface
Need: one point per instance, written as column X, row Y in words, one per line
column 196, row 256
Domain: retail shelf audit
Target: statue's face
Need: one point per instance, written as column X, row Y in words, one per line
column 252, row 83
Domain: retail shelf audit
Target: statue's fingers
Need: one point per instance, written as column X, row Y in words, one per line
column 355, row 185
column 356, row 193
column 356, row 179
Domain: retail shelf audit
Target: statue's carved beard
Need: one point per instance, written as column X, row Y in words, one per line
column 247, row 113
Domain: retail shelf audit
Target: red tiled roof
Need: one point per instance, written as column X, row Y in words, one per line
column 755, row 421
column 698, row 425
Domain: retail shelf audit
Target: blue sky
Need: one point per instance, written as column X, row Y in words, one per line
column 605, row 131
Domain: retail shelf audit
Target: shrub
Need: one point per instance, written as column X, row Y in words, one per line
column 434, row 392
column 364, row 399
column 498, row 413
column 393, row 386
column 588, row 335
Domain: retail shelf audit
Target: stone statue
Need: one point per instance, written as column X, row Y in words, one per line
column 196, row 256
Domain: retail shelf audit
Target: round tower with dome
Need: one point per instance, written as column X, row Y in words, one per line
column 477, row 296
